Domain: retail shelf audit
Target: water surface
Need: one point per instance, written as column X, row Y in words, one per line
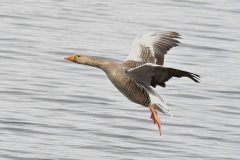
column 54, row 109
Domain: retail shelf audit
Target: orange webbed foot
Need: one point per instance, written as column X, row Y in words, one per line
column 155, row 118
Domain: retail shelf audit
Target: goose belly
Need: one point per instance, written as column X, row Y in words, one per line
column 130, row 89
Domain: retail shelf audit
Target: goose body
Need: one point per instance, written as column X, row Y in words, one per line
column 128, row 87
column 142, row 71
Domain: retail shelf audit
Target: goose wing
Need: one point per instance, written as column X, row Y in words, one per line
column 152, row 74
column 151, row 47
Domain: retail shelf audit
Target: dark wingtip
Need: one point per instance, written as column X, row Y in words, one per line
column 177, row 35
column 195, row 77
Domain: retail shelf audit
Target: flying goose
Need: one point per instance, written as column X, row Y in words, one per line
column 142, row 71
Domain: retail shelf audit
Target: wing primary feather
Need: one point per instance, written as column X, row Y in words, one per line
column 180, row 73
column 151, row 47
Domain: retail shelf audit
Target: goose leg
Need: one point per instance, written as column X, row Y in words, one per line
column 155, row 117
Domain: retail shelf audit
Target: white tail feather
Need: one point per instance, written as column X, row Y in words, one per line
column 158, row 100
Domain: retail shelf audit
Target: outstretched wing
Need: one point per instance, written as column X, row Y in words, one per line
column 151, row 47
column 152, row 74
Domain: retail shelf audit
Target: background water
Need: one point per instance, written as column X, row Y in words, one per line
column 54, row 109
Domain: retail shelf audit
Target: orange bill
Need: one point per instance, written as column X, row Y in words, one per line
column 70, row 58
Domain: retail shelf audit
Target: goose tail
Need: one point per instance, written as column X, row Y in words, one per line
column 159, row 102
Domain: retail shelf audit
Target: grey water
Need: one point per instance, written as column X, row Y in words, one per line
column 52, row 109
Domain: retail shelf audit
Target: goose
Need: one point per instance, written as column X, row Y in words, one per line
column 142, row 71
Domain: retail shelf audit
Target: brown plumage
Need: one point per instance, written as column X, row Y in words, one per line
column 142, row 69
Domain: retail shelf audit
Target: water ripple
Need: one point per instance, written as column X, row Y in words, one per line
column 54, row 109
